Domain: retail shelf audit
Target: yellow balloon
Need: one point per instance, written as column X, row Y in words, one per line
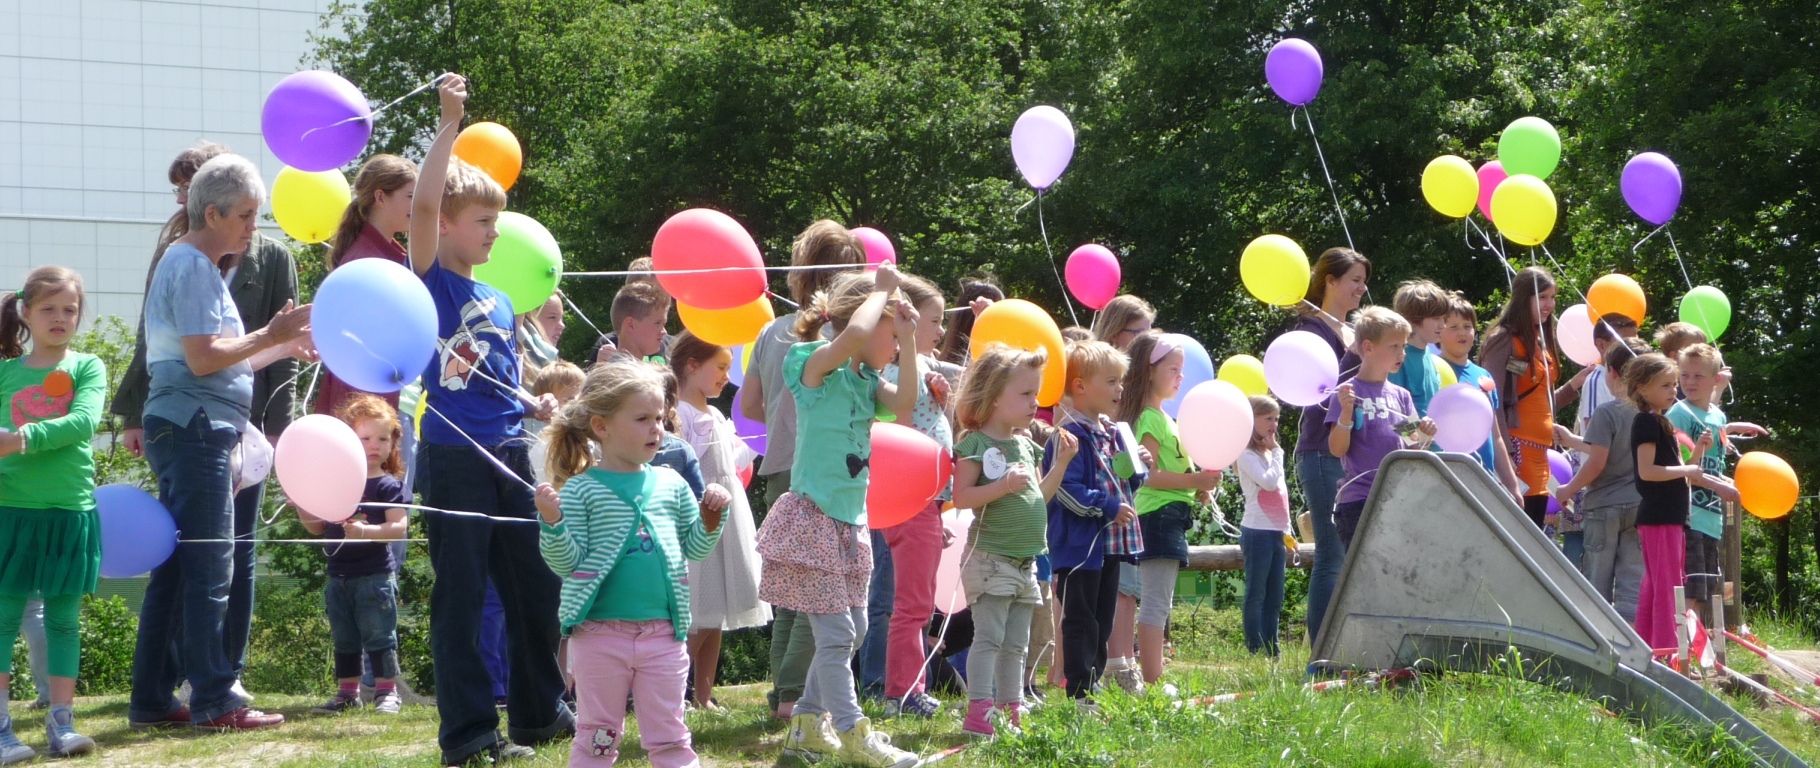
column 1524, row 209
column 728, row 327
column 1450, row 184
column 1246, row 373
column 1275, row 270
column 1448, row 377
column 308, row 206
column 1020, row 324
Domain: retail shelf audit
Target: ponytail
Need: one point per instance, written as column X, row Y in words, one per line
column 12, row 327
column 41, row 282
column 568, row 437
column 380, row 173
column 835, row 305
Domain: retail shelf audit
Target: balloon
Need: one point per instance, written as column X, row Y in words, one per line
column 1530, row 146
column 1560, row 471
column 1463, row 418
column 1766, row 485
column 1450, row 185
column 1022, row 325
column 1448, row 377
column 1490, row 176
column 316, row 121
column 742, row 358
column 1524, row 209
column 1301, row 368
column 1246, row 373
column 1093, row 275
column 493, row 149
column 525, row 264
column 1197, row 368
column 753, row 432
column 374, row 325
column 700, row 238
column 949, row 597
column 1575, row 330
column 909, row 469
column 1275, row 270
column 1616, row 293
column 728, row 327
column 137, row 533
column 1042, row 143
column 308, row 206
column 1216, row 424
column 1293, row 69
column 878, row 247
column 322, row 466
column 1652, row 187
column 1707, row 309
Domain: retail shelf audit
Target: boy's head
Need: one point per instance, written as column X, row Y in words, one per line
column 1459, row 329
column 562, row 379
column 1674, row 337
column 1610, row 328
column 1425, row 306
column 639, row 312
column 1700, row 366
column 1096, row 375
column 471, row 202
column 1383, row 334
column 1618, row 355
column 646, row 265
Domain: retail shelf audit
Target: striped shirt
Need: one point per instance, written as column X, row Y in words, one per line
column 1016, row 524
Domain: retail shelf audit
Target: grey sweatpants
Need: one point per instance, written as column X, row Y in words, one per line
column 829, row 687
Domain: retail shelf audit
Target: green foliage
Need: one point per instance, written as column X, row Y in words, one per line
column 109, row 634
column 289, row 650
column 111, row 339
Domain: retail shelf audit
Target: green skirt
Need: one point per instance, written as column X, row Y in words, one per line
column 49, row 551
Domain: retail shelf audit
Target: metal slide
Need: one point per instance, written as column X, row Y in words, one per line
column 1446, row 572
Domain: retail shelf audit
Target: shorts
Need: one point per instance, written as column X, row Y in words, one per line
column 1166, row 532
column 1704, row 582
column 1131, row 582
column 999, row 576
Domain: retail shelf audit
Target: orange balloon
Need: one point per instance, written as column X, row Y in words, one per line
column 58, row 384
column 1767, row 485
column 728, row 327
column 493, row 149
column 1616, row 293
column 1022, row 325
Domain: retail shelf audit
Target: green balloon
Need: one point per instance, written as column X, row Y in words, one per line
column 1707, row 309
column 525, row 263
column 1529, row 146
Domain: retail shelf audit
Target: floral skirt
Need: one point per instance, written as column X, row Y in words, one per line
column 813, row 563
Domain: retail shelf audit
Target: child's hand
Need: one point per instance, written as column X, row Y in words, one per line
column 549, row 504
column 1562, row 496
column 1723, row 486
column 1347, row 400
column 453, row 93
column 1066, row 446
column 1208, row 480
column 1127, row 515
column 1704, row 444
column 607, row 351
column 947, row 537
column 1015, row 479
column 904, row 319
column 1144, row 455
column 1427, row 427
column 714, row 501
column 544, row 409
column 1563, row 435
column 886, row 278
column 980, row 304
column 938, row 388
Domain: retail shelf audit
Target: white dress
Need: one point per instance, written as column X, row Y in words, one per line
column 723, row 589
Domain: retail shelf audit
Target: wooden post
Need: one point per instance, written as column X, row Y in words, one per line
column 1731, row 567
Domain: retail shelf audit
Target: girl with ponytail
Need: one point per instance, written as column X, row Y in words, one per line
column 381, row 211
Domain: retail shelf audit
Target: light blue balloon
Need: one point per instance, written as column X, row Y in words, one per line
column 374, row 324
column 137, row 533
column 1197, row 369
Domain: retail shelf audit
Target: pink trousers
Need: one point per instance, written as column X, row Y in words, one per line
column 613, row 658
column 1664, row 555
column 916, row 550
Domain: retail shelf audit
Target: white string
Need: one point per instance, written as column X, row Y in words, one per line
column 1324, row 172
column 710, row 270
column 487, row 454
column 374, row 115
column 1044, row 229
column 787, row 302
column 1559, row 280
column 580, row 314
column 1671, row 245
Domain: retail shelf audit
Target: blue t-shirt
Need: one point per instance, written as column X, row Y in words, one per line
column 1418, row 375
column 1707, row 512
column 189, row 298
column 1476, row 375
column 474, row 323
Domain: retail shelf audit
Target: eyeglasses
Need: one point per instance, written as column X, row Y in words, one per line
column 181, row 191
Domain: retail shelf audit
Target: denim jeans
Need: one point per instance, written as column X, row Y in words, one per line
column 187, row 599
column 240, row 589
column 1320, row 472
column 363, row 621
column 879, row 603
column 1265, row 561
column 466, row 551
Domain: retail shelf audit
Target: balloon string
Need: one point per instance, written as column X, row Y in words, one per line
column 580, row 314
column 1560, row 275
column 1043, row 228
column 708, row 270
column 519, row 392
column 374, row 114
column 311, row 392
column 484, row 452
column 1317, row 308
column 1328, row 174
column 787, row 302
column 1683, row 264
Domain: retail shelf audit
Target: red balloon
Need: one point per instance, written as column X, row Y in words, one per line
column 908, row 470
column 697, row 239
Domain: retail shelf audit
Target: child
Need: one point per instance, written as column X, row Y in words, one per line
column 1520, row 353
column 561, row 380
column 1457, row 336
column 1699, row 416
column 957, row 340
column 51, row 533
column 1674, row 337
column 1662, row 485
column 1369, row 415
column 1613, row 556
column 1590, row 381
column 995, row 475
column 675, row 452
column 639, row 312
column 470, row 406
column 817, row 557
column 380, row 212
column 1263, row 530
column 724, row 586
column 618, row 535
column 539, row 331
column 1425, row 306
column 1090, row 502
column 361, row 593
column 1165, row 503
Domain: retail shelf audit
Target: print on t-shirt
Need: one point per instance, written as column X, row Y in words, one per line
column 464, row 349
column 1374, row 408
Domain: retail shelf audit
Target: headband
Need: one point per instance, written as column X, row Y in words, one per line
column 1165, row 344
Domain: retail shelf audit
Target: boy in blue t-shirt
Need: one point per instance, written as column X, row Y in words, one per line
column 1425, row 306
column 471, row 435
column 1696, row 416
column 1458, row 333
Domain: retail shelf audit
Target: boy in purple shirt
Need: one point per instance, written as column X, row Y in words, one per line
column 1369, row 415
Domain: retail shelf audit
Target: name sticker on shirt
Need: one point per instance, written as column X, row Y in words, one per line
column 992, row 463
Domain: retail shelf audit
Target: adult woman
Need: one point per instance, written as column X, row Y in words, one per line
column 381, row 211
column 1336, row 288
column 1122, row 320
column 1520, row 353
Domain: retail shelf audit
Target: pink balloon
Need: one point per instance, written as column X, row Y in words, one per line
column 1301, row 369
column 1463, row 418
column 1093, row 275
column 1042, row 143
column 1575, row 330
column 702, row 239
column 949, row 597
column 908, row 470
column 1215, row 424
column 878, row 247
column 322, row 467
column 1490, row 176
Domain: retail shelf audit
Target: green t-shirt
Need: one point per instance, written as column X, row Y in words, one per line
column 57, row 416
column 1169, row 458
column 833, row 434
column 638, row 584
column 1016, row 525
column 1707, row 513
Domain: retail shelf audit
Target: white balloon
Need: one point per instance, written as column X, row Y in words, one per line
column 1575, row 329
column 1215, row 424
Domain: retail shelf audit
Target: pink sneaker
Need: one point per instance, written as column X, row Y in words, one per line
column 1014, row 714
column 977, row 723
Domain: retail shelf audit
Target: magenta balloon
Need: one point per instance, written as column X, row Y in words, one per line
column 1300, row 368
column 1093, row 275
column 1463, row 418
column 316, row 121
column 1293, row 70
column 1652, row 187
column 1042, row 143
column 1490, row 176
column 878, row 247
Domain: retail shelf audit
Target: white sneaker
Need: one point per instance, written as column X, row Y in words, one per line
column 865, row 747
column 12, row 750
column 1129, row 678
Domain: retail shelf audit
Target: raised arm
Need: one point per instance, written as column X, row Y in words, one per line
column 900, row 396
column 426, row 204
column 853, row 339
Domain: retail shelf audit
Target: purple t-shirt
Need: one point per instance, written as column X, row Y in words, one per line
column 1381, row 407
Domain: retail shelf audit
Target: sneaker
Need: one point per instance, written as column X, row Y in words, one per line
column 1007, row 719
column 12, row 750
column 60, row 732
column 242, row 719
column 387, row 702
column 811, row 738
column 240, row 690
column 180, row 716
column 40, row 705
column 492, row 754
column 1033, row 698
column 1129, row 678
column 976, row 722
column 863, row 746
column 917, row 704
column 1087, row 707
column 335, row 706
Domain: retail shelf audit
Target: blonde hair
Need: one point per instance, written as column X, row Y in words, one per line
column 1261, row 405
column 361, row 406
column 556, row 376
column 40, row 282
column 380, row 173
column 1375, row 323
column 835, row 305
column 986, row 380
column 1674, row 337
column 1705, row 353
column 1418, row 300
column 918, row 291
column 1119, row 313
column 468, row 185
column 1086, row 358
column 604, row 392
column 1638, row 373
column 825, row 242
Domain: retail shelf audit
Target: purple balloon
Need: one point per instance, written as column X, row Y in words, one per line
column 1652, row 187
column 752, row 432
column 316, row 121
column 1562, row 471
column 1042, row 143
column 1463, row 418
column 1197, row 369
column 1293, row 69
column 137, row 533
column 1301, row 369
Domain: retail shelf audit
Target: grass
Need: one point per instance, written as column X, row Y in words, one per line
column 1457, row 720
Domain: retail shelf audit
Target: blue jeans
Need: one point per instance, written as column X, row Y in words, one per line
column 1573, row 545
column 363, row 623
column 878, row 619
column 467, row 551
column 187, row 599
column 1265, row 561
column 240, row 587
column 1320, row 473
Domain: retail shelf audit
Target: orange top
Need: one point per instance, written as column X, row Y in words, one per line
column 1536, row 400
